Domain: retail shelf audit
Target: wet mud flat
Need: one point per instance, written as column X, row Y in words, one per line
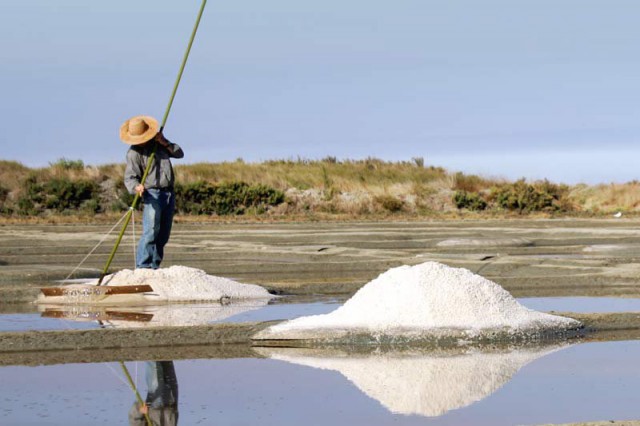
column 527, row 257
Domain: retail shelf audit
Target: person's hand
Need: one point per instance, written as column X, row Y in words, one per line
column 144, row 409
column 139, row 189
column 160, row 139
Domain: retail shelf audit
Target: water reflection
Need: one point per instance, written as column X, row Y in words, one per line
column 152, row 315
column 418, row 382
column 160, row 407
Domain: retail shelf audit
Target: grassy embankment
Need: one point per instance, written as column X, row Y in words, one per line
column 68, row 190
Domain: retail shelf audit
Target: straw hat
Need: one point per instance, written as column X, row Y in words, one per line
column 138, row 130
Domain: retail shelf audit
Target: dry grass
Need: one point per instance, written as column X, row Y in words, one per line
column 304, row 174
column 344, row 190
column 608, row 198
column 12, row 174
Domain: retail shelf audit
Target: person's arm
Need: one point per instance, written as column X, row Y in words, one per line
column 173, row 149
column 133, row 173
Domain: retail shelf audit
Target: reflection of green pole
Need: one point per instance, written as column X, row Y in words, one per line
column 135, row 390
column 153, row 153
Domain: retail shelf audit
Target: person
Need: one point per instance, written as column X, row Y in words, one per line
column 161, row 403
column 157, row 192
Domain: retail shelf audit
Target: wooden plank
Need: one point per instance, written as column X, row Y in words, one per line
column 92, row 290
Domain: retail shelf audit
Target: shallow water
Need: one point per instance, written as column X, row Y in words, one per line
column 582, row 304
column 78, row 317
column 591, row 381
column 73, row 317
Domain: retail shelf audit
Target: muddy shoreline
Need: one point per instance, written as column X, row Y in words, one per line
column 104, row 344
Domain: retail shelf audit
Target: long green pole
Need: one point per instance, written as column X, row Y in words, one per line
column 184, row 62
column 134, row 204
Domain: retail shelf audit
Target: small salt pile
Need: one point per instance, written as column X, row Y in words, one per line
column 183, row 284
column 425, row 300
column 174, row 284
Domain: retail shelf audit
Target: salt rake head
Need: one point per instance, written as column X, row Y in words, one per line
column 92, row 291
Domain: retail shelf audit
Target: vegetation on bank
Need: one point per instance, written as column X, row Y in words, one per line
column 295, row 188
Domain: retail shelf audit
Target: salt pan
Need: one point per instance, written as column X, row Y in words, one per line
column 429, row 299
column 173, row 284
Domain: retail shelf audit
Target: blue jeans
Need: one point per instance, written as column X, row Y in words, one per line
column 157, row 218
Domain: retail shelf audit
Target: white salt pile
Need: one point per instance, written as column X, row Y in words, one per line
column 430, row 299
column 423, row 383
column 181, row 283
column 173, row 284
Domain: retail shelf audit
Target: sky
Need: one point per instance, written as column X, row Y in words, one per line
column 503, row 88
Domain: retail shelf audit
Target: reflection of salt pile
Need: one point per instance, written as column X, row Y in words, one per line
column 426, row 300
column 183, row 315
column 174, row 284
column 428, row 384
column 171, row 315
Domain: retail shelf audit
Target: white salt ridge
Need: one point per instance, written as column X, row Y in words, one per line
column 423, row 299
column 184, row 284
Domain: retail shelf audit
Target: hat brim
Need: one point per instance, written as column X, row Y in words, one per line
column 130, row 139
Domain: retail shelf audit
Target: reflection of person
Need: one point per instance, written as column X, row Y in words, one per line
column 141, row 132
column 161, row 404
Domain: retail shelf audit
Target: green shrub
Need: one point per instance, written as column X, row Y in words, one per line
column 58, row 194
column 225, row 199
column 525, row 197
column 90, row 206
column 4, row 193
column 469, row 200
column 66, row 164
column 390, row 203
column 33, row 189
column 123, row 199
column 30, row 197
column 62, row 194
column 468, row 183
column 4, row 208
column 26, row 206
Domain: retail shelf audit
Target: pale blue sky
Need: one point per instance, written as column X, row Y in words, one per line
column 544, row 88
